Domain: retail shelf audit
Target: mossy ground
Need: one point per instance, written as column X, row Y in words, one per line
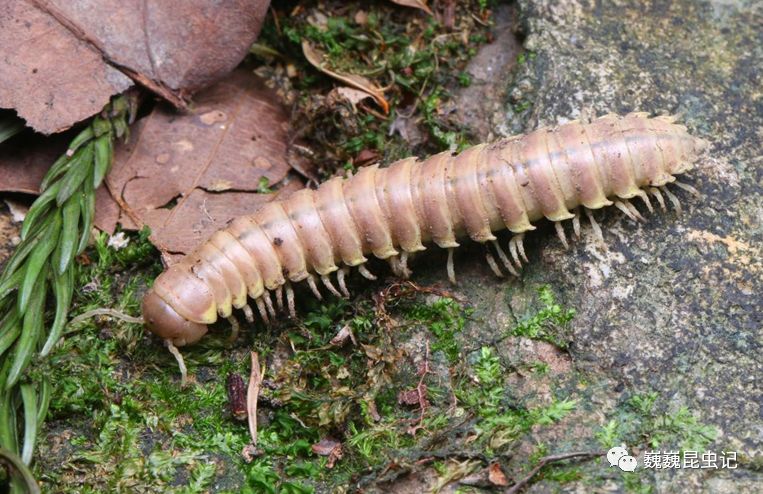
column 121, row 422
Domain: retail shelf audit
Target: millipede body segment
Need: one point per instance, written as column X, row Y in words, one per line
column 551, row 173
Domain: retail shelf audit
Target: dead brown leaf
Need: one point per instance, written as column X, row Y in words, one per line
column 25, row 158
column 417, row 4
column 187, row 175
column 330, row 448
column 496, row 476
column 317, row 60
column 63, row 60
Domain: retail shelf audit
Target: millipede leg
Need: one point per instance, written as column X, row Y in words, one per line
column 404, row 264
column 263, row 311
column 634, row 211
column 504, row 259
column 621, row 205
column 290, row 300
column 521, row 246
column 248, row 314
column 673, row 199
column 269, row 304
column 279, row 298
column 645, row 197
column 340, row 278
column 658, row 195
column 594, row 225
column 451, row 269
column 314, row 287
column 560, row 234
column 688, row 188
column 576, row 224
column 327, row 282
column 179, row 358
column 366, row 273
column 493, row 265
column 235, row 328
column 514, row 254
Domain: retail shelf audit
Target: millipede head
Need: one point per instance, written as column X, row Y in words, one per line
column 163, row 321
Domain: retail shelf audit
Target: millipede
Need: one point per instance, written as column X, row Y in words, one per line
column 390, row 212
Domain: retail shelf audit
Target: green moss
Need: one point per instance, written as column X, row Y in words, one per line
column 445, row 318
column 418, row 60
column 550, row 322
column 640, row 421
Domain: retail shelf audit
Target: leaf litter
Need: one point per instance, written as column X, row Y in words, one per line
column 187, row 175
column 62, row 61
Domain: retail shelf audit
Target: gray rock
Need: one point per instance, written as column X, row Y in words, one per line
column 674, row 305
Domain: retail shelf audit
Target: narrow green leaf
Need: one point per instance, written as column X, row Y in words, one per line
column 44, row 401
column 101, row 126
column 63, row 286
column 103, row 156
column 22, row 470
column 84, row 136
column 31, row 330
column 10, row 328
column 69, row 234
column 7, row 415
column 29, row 399
column 26, row 246
column 76, row 175
column 59, row 166
column 34, row 265
column 40, row 206
column 87, row 207
column 10, row 283
column 10, row 126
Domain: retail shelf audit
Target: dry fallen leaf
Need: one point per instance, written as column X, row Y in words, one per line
column 187, row 175
column 496, row 476
column 63, row 60
column 328, row 447
column 25, row 158
column 417, row 4
column 317, row 60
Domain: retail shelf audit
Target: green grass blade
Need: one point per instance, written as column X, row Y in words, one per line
column 59, row 166
column 63, row 286
column 10, row 328
column 44, row 402
column 71, row 182
column 10, row 283
column 103, row 156
column 29, row 400
column 69, row 234
column 31, row 330
column 9, row 127
column 83, row 137
column 40, row 206
column 37, row 259
column 87, row 207
column 15, row 464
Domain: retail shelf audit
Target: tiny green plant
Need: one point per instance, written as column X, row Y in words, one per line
column 56, row 229
column 549, row 323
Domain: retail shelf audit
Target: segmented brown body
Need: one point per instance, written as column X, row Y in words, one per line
column 390, row 212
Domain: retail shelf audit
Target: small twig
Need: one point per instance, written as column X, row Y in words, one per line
column 514, row 489
column 421, row 391
column 252, row 394
column 105, row 312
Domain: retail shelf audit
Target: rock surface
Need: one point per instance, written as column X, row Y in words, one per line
column 672, row 306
